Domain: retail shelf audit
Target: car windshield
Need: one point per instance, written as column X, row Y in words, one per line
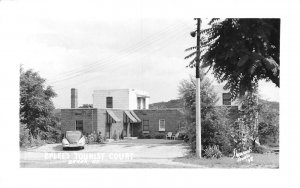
column 73, row 136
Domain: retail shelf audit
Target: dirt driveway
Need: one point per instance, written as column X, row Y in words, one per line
column 140, row 153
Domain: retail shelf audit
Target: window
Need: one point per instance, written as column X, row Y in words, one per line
column 79, row 125
column 138, row 103
column 146, row 126
column 226, row 99
column 144, row 103
column 109, row 102
column 162, row 125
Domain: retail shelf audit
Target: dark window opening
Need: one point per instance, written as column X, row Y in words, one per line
column 79, row 125
column 145, row 125
column 107, row 130
column 109, row 102
column 226, row 99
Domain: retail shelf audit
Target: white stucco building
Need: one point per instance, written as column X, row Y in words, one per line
column 130, row 99
column 224, row 97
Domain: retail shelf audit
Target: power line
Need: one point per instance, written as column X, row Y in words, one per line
column 129, row 50
column 116, row 66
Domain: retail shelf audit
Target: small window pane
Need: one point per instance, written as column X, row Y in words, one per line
column 79, row 125
column 162, row 126
column 226, row 99
column 145, row 125
column 109, row 102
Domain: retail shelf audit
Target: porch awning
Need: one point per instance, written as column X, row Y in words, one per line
column 132, row 119
column 113, row 116
column 135, row 116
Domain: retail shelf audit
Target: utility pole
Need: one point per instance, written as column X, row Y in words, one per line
column 198, row 91
column 198, row 98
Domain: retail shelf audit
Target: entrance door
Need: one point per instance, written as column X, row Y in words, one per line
column 136, row 129
column 125, row 129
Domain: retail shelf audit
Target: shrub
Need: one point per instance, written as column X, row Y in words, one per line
column 212, row 152
column 159, row 136
column 260, row 149
column 141, row 136
column 121, row 136
column 115, row 136
column 37, row 141
column 144, row 136
column 24, row 136
column 148, row 136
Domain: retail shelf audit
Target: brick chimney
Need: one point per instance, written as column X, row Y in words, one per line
column 74, row 98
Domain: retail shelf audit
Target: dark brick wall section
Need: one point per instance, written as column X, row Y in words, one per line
column 95, row 120
column 69, row 117
column 173, row 119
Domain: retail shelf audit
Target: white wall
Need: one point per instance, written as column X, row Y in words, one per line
column 132, row 100
column 219, row 90
column 120, row 98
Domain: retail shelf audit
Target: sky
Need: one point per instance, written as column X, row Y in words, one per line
column 85, row 46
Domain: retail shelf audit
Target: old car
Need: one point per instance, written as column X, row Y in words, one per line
column 73, row 139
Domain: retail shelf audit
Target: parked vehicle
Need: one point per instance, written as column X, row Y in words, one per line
column 73, row 139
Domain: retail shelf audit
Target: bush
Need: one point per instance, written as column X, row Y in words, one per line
column 141, row 136
column 144, row 136
column 212, row 133
column 260, row 149
column 115, row 136
column 24, row 136
column 212, row 152
column 159, row 136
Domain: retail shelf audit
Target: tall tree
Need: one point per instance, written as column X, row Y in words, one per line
column 215, row 128
column 241, row 52
column 187, row 93
column 36, row 106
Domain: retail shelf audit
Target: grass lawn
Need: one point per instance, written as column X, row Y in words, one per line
column 268, row 160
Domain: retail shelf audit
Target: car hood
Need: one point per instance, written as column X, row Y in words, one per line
column 73, row 136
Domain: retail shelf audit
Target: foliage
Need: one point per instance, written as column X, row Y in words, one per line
column 27, row 140
column 187, row 93
column 92, row 138
column 144, row 136
column 268, row 129
column 176, row 103
column 215, row 129
column 86, row 106
column 121, row 136
column 36, row 107
column 115, row 136
column 241, row 52
column 260, row 149
column 212, row 152
column 240, row 139
column 268, row 133
column 24, row 136
column 159, row 136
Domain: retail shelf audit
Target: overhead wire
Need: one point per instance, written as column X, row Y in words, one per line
column 117, row 65
column 107, row 60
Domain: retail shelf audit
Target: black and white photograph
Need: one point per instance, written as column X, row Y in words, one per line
column 99, row 90
column 206, row 95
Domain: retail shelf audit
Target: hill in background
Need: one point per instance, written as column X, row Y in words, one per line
column 178, row 103
column 175, row 103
